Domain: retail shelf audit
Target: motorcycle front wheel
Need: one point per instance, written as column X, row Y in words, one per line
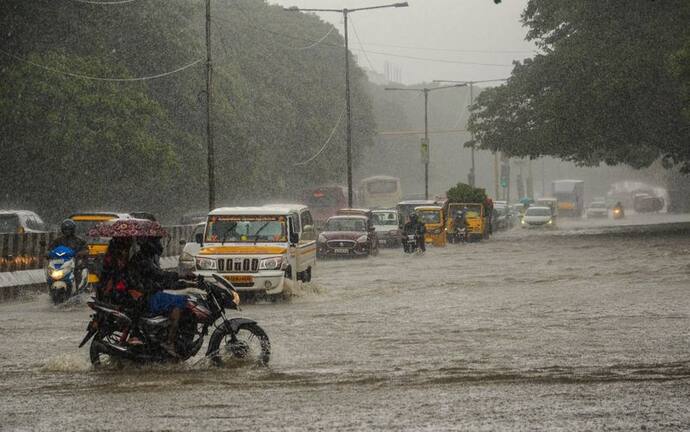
column 250, row 345
column 99, row 356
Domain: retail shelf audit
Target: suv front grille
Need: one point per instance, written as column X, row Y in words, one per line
column 238, row 265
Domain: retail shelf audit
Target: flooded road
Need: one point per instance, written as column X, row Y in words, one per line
column 585, row 327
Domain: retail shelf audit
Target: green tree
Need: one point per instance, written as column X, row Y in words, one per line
column 602, row 90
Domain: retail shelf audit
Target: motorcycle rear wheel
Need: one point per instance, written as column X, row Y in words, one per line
column 249, row 345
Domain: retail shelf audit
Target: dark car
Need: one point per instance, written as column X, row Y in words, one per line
column 347, row 235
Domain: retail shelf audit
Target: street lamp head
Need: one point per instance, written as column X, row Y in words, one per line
column 402, row 4
column 291, row 9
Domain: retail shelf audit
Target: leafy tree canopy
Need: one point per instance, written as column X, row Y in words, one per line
column 70, row 143
column 607, row 87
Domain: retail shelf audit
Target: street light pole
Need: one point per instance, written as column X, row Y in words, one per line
column 209, row 98
column 426, row 141
column 348, row 106
column 426, row 91
column 348, row 110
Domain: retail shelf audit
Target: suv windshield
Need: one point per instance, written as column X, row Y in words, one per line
column 386, row 218
column 9, row 223
column 345, row 224
column 598, row 205
column 247, row 229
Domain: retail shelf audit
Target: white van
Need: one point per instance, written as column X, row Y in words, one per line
column 257, row 249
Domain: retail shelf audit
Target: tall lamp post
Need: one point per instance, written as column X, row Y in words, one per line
column 426, row 91
column 471, row 176
column 345, row 13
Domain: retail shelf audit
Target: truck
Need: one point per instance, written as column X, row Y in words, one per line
column 571, row 197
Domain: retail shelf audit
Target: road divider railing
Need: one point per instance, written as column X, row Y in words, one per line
column 27, row 251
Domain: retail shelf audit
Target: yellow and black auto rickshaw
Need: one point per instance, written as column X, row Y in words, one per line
column 97, row 245
column 434, row 221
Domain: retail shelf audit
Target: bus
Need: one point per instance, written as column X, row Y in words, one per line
column 571, row 197
column 324, row 201
column 379, row 192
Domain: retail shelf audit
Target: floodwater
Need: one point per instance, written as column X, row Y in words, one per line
column 580, row 328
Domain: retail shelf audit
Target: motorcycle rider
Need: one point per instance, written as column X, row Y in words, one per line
column 619, row 207
column 69, row 238
column 416, row 228
column 149, row 278
column 460, row 221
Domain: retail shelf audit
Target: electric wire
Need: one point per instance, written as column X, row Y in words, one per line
column 95, row 78
column 252, row 23
column 337, row 124
column 354, row 28
column 111, row 2
column 313, row 45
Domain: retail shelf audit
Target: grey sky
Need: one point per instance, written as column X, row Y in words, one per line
column 471, row 31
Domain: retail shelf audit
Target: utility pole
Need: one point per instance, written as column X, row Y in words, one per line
column 209, row 101
column 471, row 177
column 348, row 107
column 348, row 110
column 426, row 147
column 426, row 142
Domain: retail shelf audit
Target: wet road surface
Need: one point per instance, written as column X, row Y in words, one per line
column 580, row 328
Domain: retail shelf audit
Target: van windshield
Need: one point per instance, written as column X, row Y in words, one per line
column 9, row 223
column 386, row 218
column 246, row 229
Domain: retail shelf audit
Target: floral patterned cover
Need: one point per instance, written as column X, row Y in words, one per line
column 128, row 228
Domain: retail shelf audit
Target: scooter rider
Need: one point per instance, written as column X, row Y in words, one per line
column 417, row 228
column 69, row 239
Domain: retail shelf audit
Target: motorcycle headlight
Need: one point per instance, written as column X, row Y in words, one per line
column 272, row 263
column 206, row 264
column 550, row 222
column 523, row 221
column 363, row 239
column 57, row 274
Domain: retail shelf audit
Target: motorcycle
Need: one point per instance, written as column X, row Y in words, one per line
column 119, row 334
column 410, row 243
column 458, row 234
column 61, row 274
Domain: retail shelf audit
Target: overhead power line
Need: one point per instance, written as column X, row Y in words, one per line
column 352, row 22
column 117, row 2
column 316, row 43
column 95, row 78
column 468, row 51
column 328, row 140
column 252, row 23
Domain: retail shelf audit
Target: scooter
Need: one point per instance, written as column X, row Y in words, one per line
column 60, row 275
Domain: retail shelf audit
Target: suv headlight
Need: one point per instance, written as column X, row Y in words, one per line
column 363, row 239
column 273, row 263
column 322, row 238
column 187, row 257
column 206, row 264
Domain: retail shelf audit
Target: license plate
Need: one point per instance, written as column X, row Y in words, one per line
column 341, row 251
column 240, row 279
